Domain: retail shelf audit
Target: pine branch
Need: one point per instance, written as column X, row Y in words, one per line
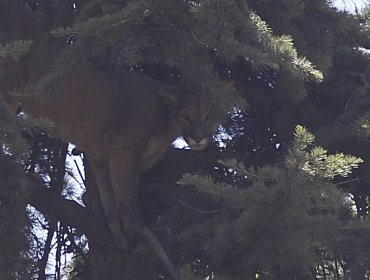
column 242, row 243
column 317, row 162
column 235, row 165
column 217, row 191
column 15, row 49
column 286, row 55
column 134, row 12
column 93, row 24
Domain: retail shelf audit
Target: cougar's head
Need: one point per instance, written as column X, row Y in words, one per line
column 192, row 116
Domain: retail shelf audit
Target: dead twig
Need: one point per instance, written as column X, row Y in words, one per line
column 200, row 210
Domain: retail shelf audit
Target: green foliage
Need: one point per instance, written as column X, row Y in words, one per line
column 75, row 270
column 362, row 127
column 15, row 258
column 316, row 162
column 134, row 13
column 10, row 133
column 286, row 55
column 280, row 217
column 187, row 37
column 15, row 49
column 258, row 217
column 15, row 228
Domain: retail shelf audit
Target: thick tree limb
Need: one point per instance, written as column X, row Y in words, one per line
column 73, row 214
column 69, row 212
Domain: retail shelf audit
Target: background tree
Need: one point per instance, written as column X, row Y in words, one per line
column 262, row 203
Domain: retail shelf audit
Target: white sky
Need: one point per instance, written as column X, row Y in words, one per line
column 350, row 5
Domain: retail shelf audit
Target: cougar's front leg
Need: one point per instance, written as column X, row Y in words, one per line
column 124, row 173
column 124, row 163
column 107, row 198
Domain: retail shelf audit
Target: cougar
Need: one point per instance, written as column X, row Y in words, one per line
column 124, row 121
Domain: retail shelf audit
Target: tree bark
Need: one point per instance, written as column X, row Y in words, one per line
column 105, row 261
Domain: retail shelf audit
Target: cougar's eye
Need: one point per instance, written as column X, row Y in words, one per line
column 185, row 117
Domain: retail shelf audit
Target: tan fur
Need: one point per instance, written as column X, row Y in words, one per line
column 125, row 122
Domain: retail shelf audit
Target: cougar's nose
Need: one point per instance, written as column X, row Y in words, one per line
column 196, row 143
column 197, row 139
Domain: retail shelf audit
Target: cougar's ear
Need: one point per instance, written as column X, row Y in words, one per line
column 170, row 98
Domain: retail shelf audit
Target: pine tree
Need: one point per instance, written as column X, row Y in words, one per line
column 276, row 222
column 264, row 203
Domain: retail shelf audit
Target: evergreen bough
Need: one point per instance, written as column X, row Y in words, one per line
column 287, row 218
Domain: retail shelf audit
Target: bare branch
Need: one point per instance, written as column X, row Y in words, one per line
column 200, row 210
column 68, row 211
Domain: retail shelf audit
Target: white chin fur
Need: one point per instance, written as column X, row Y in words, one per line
column 197, row 146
